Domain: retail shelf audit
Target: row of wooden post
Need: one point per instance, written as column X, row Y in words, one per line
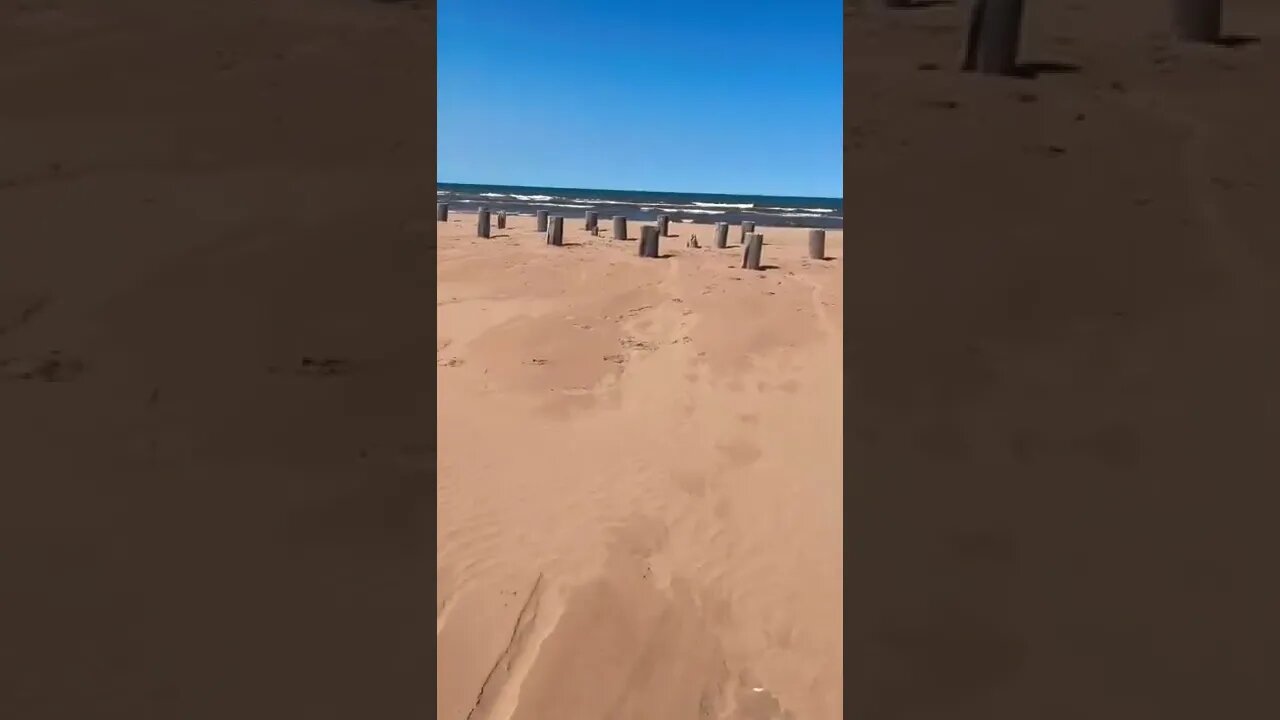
column 553, row 227
column 991, row 42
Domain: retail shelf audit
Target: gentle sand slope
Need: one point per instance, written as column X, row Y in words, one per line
column 640, row 490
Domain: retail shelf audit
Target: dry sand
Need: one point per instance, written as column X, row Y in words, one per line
column 640, row 493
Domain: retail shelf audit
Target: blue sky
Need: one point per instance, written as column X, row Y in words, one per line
column 692, row 96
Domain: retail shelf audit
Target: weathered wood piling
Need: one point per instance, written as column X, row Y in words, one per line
column 555, row 230
column 722, row 234
column 818, row 244
column 748, row 227
column 619, row 227
column 442, row 212
column 991, row 44
column 502, row 219
column 593, row 219
column 663, row 221
column 753, row 248
column 482, row 223
column 542, row 220
column 1197, row 20
column 649, row 241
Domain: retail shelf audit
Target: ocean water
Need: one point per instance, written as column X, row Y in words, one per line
column 646, row 206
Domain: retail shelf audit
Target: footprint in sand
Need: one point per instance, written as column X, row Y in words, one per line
column 631, row 343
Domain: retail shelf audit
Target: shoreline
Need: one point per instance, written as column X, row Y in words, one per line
column 649, row 221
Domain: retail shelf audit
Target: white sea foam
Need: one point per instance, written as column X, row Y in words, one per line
column 745, row 206
column 812, row 210
column 493, row 195
column 537, row 198
column 690, row 211
column 563, row 205
column 598, row 201
column 796, row 215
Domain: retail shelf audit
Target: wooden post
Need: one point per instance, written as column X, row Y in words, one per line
column 663, row 220
column 555, row 230
column 991, row 45
column 442, row 212
column 649, row 241
column 818, row 244
column 748, row 227
column 502, row 219
column 482, row 223
column 751, row 253
column 593, row 219
column 722, row 234
column 542, row 220
column 1197, row 20
column 972, row 36
column 619, row 227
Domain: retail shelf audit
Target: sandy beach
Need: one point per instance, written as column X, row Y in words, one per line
column 639, row 493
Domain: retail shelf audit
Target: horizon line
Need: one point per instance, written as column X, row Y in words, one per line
column 679, row 192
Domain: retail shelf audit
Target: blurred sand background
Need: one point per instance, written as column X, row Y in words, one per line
column 215, row 359
column 1061, row 367
column 639, row 509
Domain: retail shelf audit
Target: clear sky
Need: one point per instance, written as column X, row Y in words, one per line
column 688, row 96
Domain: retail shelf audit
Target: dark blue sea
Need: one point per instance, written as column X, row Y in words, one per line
column 764, row 210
